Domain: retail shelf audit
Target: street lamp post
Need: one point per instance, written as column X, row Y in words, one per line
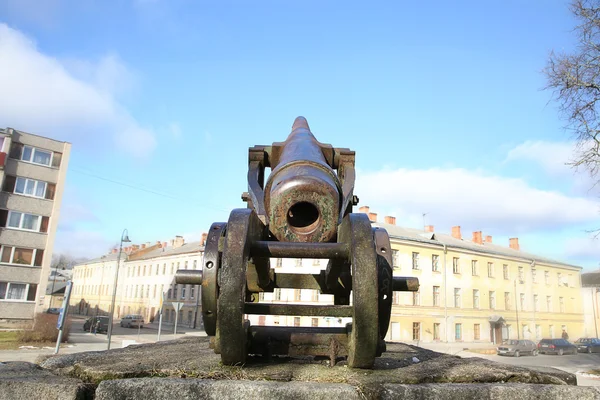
column 124, row 238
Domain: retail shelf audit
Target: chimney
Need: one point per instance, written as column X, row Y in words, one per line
column 488, row 239
column 390, row 220
column 203, row 240
column 456, row 232
column 372, row 217
column 134, row 247
column 477, row 238
column 364, row 209
column 114, row 251
column 164, row 244
column 514, row 243
column 171, row 242
column 429, row 228
column 178, row 242
column 143, row 246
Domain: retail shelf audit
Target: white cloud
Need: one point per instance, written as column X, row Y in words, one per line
column 553, row 157
column 175, row 130
column 40, row 94
column 471, row 199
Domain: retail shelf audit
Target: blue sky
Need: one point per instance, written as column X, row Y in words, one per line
column 442, row 101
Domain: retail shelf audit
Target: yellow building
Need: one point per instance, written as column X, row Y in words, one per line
column 146, row 277
column 478, row 291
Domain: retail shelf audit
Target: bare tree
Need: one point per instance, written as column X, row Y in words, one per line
column 575, row 82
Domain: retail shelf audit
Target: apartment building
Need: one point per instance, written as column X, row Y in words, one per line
column 32, row 174
column 471, row 290
column 146, row 281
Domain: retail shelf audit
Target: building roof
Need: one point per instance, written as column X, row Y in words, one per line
column 439, row 239
column 59, row 288
column 146, row 254
column 590, row 279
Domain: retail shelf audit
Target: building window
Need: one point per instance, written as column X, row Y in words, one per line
column 538, row 331
column 522, row 301
column 457, row 297
column 549, row 303
column 297, row 295
column 416, row 331
column 476, row 332
column 175, row 291
column 277, row 294
column 436, row 295
column 505, row 271
column 536, row 303
column 314, row 322
column 455, row 265
column 154, row 292
column 533, row 275
column 415, row 260
column 416, row 298
column 24, row 221
column 476, row 298
column 17, row 255
column 396, row 298
column 521, row 275
column 195, row 264
column 551, row 329
column 507, row 300
column 474, row 271
column 492, row 300
column 296, row 321
column 31, row 154
column 17, row 291
column 314, row 296
column 298, row 262
column 490, row 268
column 29, row 187
column 185, row 265
column 458, row 331
column 192, row 289
column 316, row 262
column 183, row 292
column 164, row 268
column 435, row 262
column 546, row 277
column 561, row 302
column 172, row 268
column 436, row 331
column 395, row 258
column 279, row 263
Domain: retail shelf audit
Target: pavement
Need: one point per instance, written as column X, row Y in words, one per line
column 80, row 341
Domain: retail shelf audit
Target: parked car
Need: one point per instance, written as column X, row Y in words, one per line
column 53, row 310
column 588, row 345
column 99, row 324
column 556, row 346
column 517, row 347
column 133, row 320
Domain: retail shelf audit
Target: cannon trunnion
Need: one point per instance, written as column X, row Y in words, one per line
column 303, row 211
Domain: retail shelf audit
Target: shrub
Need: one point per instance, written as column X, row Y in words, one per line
column 44, row 329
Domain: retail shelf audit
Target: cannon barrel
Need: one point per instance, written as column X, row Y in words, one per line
column 303, row 194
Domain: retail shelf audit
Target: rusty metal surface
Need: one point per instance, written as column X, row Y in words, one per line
column 384, row 277
column 301, row 281
column 302, row 341
column 302, row 195
column 211, row 264
column 364, row 338
column 405, row 284
column 243, row 228
column 308, row 310
column 300, row 250
column 188, row 277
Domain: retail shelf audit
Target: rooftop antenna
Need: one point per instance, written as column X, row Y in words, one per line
column 424, row 214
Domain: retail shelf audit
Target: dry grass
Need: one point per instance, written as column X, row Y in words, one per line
column 8, row 340
column 44, row 330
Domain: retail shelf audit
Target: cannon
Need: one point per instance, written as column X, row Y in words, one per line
column 304, row 210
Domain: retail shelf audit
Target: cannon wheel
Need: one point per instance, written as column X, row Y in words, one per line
column 243, row 228
column 210, row 288
column 364, row 337
column 385, row 277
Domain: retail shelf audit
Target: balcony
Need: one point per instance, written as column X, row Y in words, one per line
column 3, row 157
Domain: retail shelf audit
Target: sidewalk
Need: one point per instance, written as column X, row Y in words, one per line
column 455, row 348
